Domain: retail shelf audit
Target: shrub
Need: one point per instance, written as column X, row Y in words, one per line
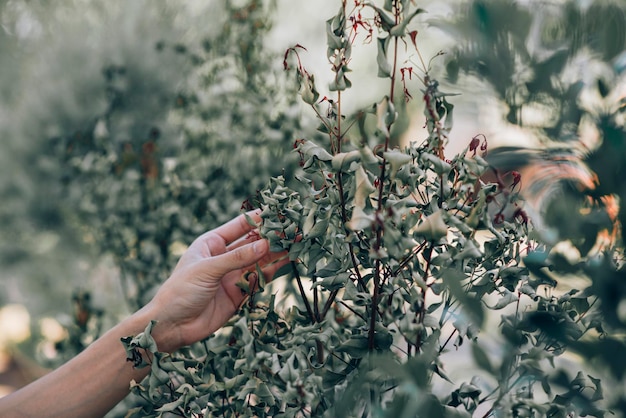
column 142, row 183
column 400, row 259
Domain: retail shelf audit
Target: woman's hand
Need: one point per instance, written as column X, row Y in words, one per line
column 202, row 292
column 197, row 299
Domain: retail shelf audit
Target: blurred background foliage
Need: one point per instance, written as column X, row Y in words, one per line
column 107, row 113
column 127, row 128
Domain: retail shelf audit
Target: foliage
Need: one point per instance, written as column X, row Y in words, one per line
column 139, row 190
column 557, row 72
column 56, row 53
column 399, row 259
column 568, row 62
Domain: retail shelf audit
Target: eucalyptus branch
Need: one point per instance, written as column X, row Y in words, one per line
column 316, row 309
column 339, row 134
column 392, row 87
column 490, row 394
column 422, row 312
column 344, row 220
column 445, row 344
column 329, row 303
column 406, row 260
column 381, row 186
column 345, row 305
column 373, row 308
column 307, row 305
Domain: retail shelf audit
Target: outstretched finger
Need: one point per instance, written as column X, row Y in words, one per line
column 237, row 293
column 236, row 228
column 239, row 258
column 251, row 236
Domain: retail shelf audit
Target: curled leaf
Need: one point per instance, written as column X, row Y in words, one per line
column 309, row 221
column 385, row 115
column 399, row 30
column 363, row 188
column 439, row 166
column 384, row 68
column 342, row 161
column 311, row 149
column 367, row 155
column 507, row 298
column 361, row 220
column 396, row 159
column 307, row 90
column 470, row 250
column 433, row 227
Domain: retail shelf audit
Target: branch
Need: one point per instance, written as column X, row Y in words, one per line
column 307, row 305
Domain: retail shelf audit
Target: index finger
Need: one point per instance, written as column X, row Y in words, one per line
column 236, row 228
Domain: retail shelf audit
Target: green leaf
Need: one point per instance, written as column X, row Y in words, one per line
column 439, row 166
column 363, row 188
column 386, row 21
column 470, row 250
column 171, row 406
column 580, row 304
column 340, row 82
column 383, row 338
column 507, row 298
column 481, row 358
column 396, row 160
column 399, row 30
column 356, row 346
column 310, row 149
column 597, row 393
column 342, row 161
column 335, row 282
column 384, row 67
column 333, row 40
column 448, row 122
column 308, row 91
column 467, row 390
column 453, row 279
column 433, row 227
column 385, row 115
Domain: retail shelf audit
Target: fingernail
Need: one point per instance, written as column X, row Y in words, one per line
column 260, row 247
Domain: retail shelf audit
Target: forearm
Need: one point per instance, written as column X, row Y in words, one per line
column 197, row 299
column 89, row 385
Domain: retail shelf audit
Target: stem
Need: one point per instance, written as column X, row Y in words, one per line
column 381, row 184
column 329, row 303
column 307, row 305
column 339, row 135
column 344, row 220
column 373, row 310
column 393, row 73
column 316, row 309
column 422, row 312
column 582, row 315
column 430, row 106
column 408, row 258
column 319, row 348
column 352, row 310
column 443, row 347
column 344, row 216
column 493, row 392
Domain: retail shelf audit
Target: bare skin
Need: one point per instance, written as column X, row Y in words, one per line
column 197, row 299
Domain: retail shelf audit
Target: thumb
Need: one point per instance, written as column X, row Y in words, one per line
column 240, row 257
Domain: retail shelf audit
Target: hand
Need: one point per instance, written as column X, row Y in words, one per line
column 202, row 292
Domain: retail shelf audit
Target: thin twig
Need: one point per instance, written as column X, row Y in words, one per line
column 307, row 305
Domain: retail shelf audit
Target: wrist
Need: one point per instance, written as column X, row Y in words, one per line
column 165, row 334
